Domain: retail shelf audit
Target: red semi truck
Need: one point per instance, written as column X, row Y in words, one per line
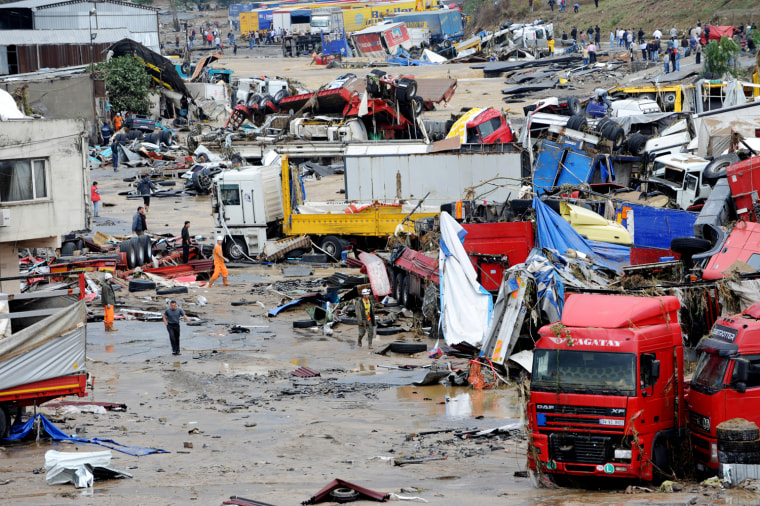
column 726, row 385
column 607, row 388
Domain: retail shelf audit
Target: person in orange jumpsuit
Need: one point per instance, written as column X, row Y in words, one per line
column 219, row 267
column 108, row 299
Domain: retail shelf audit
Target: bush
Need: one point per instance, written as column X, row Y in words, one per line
column 127, row 83
column 721, row 57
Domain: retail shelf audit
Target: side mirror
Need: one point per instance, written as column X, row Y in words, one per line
column 741, row 371
column 655, row 370
column 740, row 387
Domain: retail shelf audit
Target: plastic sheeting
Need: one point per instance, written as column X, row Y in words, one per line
column 466, row 306
column 8, row 107
column 50, row 348
column 508, row 315
column 20, row 431
column 555, row 233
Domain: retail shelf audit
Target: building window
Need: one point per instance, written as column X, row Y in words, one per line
column 22, row 180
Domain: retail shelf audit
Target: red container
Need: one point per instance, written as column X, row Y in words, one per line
column 744, row 180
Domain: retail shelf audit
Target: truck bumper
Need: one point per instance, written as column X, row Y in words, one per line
column 540, row 458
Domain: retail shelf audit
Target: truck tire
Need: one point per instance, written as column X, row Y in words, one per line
column 140, row 285
column 147, row 248
column 737, row 429
column 131, row 255
column 690, row 246
column 139, row 251
column 716, row 169
column 332, row 245
column 407, row 348
column 602, row 125
column 377, row 73
column 67, row 249
column 577, row 122
column 5, row 422
column 403, row 292
column 280, row 95
column 264, row 101
column 617, row 136
column 165, row 137
column 574, row 107
column 253, row 99
column 406, row 90
column 636, row 144
column 739, row 446
column 397, row 284
column 235, row 249
column 669, row 101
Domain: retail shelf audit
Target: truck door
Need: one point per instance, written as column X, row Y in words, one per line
column 230, row 197
column 744, row 405
column 688, row 194
column 653, row 390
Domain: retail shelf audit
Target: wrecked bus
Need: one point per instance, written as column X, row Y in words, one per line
column 606, row 389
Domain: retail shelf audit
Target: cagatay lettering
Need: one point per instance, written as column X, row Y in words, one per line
column 589, row 342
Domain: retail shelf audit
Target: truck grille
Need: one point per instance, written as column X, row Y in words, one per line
column 566, row 409
column 580, row 449
column 566, row 420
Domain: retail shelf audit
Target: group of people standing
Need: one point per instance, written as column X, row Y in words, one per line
column 266, row 37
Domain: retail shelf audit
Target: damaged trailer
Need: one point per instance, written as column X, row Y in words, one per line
column 43, row 338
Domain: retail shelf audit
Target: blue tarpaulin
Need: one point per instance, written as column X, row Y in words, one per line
column 555, row 233
column 20, row 431
column 655, row 227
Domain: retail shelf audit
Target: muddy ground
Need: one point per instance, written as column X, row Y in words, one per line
column 235, row 422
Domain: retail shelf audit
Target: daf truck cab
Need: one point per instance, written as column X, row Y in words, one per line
column 606, row 388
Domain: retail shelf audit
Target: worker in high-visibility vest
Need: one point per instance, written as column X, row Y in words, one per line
column 219, row 267
column 365, row 317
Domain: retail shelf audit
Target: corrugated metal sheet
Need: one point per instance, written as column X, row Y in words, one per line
column 41, row 4
column 77, row 37
column 33, row 58
column 109, row 15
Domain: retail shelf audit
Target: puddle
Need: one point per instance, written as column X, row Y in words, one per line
column 462, row 402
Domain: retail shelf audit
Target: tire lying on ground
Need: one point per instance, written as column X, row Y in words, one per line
column 172, row 290
column 407, row 348
column 304, row 324
column 139, row 285
column 139, row 249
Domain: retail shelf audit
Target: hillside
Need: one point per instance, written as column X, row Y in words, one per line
column 647, row 14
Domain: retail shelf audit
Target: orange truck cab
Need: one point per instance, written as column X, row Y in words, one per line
column 607, row 387
column 726, row 383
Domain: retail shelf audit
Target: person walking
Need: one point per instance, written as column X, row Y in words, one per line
column 591, row 53
column 698, row 52
column 95, row 197
column 365, row 317
column 171, row 320
column 186, row 242
column 144, row 187
column 612, row 40
column 562, row 5
column 139, row 223
column 108, row 299
column 644, row 50
column 551, row 5
column 219, row 267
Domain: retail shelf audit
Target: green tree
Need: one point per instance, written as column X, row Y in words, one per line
column 127, row 83
column 721, row 57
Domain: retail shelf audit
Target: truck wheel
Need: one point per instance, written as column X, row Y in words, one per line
column 577, row 122
column 5, row 422
column 397, row 284
column 147, row 248
column 406, row 90
column 253, row 98
column 280, row 95
column 669, row 100
column 67, row 249
column 235, row 249
column 636, row 144
column 716, row 169
column 131, row 255
column 139, row 250
column 403, row 292
column 408, row 348
column 617, row 136
column 737, row 429
column 377, row 73
column 574, row 106
column 332, row 246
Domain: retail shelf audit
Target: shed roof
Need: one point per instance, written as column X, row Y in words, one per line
column 41, row 4
column 53, row 37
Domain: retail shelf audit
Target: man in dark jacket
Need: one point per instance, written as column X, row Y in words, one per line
column 139, row 223
column 365, row 317
column 144, row 188
column 186, row 241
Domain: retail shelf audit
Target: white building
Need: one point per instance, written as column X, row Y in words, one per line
column 44, row 188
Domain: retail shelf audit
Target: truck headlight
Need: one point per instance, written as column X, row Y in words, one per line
column 713, row 452
column 623, row 454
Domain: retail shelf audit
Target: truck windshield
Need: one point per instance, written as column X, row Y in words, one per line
column 584, row 372
column 320, row 21
column 708, row 378
column 489, row 127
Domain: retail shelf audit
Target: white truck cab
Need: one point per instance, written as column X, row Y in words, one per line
column 681, row 177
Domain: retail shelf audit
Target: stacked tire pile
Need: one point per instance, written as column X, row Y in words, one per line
column 136, row 251
column 738, row 442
